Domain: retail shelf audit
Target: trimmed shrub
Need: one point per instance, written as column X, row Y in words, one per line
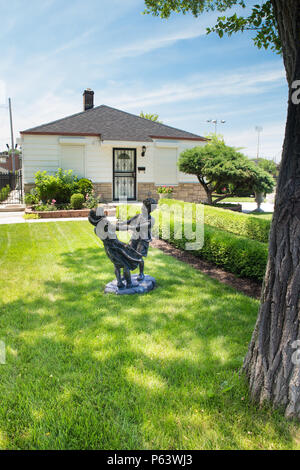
column 241, row 224
column 85, row 186
column 239, row 255
column 77, row 201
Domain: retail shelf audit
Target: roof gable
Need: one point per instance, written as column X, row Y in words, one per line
column 112, row 124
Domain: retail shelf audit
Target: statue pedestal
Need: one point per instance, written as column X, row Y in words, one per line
column 138, row 287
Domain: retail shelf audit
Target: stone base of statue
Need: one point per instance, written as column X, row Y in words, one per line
column 138, row 287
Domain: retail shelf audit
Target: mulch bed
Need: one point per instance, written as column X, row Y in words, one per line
column 246, row 286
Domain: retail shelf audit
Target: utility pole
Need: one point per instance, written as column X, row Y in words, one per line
column 258, row 130
column 12, row 137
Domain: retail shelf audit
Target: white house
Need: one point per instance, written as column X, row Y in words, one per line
column 122, row 154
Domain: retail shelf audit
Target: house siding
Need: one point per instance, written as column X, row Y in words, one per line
column 45, row 152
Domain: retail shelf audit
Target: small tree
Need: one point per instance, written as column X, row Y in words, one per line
column 268, row 165
column 151, row 117
column 216, row 164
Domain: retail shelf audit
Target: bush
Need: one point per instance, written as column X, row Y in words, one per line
column 60, row 186
column 77, row 201
column 241, row 224
column 4, row 193
column 31, row 199
column 239, row 255
column 91, row 200
column 85, row 186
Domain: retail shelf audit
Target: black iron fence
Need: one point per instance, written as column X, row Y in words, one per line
column 11, row 191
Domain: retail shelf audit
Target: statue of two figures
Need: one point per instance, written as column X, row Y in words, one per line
column 127, row 257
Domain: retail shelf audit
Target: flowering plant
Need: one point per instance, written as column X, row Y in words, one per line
column 91, row 200
column 165, row 189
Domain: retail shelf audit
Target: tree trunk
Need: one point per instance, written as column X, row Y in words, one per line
column 209, row 192
column 271, row 364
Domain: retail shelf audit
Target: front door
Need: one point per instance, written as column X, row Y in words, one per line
column 124, row 174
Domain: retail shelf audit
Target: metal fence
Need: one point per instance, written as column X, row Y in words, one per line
column 11, row 190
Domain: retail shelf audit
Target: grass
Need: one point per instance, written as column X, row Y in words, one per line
column 235, row 199
column 263, row 215
column 86, row 370
column 30, row 216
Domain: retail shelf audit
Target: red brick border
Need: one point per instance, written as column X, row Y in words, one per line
column 59, row 214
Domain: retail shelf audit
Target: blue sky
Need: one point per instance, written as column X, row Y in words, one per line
column 51, row 50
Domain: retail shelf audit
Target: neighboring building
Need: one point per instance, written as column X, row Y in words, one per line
column 122, row 154
column 6, row 161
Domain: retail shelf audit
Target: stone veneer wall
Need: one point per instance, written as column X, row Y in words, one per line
column 145, row 190
column 189, row 192
column 104, row 190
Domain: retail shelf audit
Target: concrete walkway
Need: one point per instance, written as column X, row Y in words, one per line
column 17, row 218
column 251, row 206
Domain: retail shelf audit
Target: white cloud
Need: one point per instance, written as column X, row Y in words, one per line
column 256, row 80
column 58, row 101
column 143, row 46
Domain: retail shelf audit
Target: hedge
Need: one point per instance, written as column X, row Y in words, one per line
column 239, row 255
column 235, row 222
column 236, row 254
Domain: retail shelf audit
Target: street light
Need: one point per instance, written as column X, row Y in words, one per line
column 215, row 122
column 259, row 197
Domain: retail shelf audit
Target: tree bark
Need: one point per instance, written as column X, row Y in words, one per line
column 209, row 192
column 270, row 365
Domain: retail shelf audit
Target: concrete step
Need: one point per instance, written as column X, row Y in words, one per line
column 12, row 207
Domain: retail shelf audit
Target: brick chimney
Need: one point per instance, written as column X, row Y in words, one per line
column 88, row 99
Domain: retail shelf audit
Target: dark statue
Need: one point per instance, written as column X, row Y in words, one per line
column 127, row 256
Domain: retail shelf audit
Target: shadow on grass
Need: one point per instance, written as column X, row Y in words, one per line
column 88, row 370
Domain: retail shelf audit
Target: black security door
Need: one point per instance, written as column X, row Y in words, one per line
column 124, row 174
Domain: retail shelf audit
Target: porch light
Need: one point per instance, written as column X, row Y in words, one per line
column 143, row 151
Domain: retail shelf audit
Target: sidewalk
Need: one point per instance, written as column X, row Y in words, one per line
column 248, row 207
column 17, row 218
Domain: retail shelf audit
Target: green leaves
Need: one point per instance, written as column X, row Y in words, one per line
column 59, row 186
column 217, row 164
column 261, row 20
column 150, row 116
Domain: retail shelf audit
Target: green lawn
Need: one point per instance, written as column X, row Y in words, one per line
column 263, row 215
column 88, row 370
column 235, row 199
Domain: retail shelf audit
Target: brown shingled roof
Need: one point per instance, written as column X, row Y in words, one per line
column 112, row 124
